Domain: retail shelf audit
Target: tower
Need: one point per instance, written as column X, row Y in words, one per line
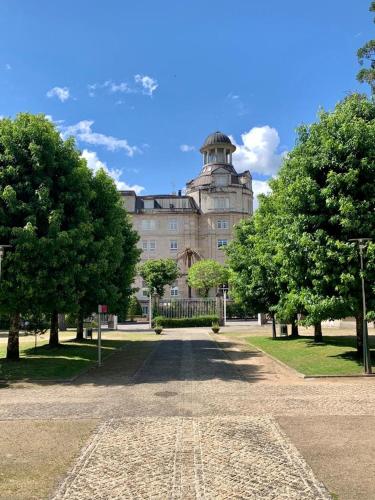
column 223, row 196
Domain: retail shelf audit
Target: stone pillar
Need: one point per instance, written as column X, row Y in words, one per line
column 112, row 322
column 262, row 320
column 219, row 309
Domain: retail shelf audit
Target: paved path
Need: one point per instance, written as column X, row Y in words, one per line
column 180, row 436
column 191, row 424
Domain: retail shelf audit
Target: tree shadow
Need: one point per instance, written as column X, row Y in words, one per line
column 137, row 362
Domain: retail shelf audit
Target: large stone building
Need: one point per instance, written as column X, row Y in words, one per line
column 201, row 219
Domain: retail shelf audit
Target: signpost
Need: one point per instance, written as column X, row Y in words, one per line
column 101, row 309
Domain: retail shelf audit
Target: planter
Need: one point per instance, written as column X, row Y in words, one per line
column 215, row 329
column 158, row 330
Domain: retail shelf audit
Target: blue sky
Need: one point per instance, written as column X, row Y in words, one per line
column 138, row 82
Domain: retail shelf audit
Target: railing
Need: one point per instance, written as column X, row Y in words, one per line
column 186, row 308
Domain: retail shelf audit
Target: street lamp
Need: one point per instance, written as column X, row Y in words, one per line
column 366, row 350
column 2, row 253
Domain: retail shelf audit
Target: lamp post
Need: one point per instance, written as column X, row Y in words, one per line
column 366, row 351
column 2, row 253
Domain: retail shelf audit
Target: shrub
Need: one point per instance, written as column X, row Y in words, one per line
column 185, row 322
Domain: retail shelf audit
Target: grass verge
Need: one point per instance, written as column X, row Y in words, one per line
column 69, row 359
column 335, row 356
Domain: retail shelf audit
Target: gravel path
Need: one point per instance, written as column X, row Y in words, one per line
column 191, row 424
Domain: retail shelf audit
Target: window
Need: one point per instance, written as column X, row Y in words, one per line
column 221, row 203
column 222, row 243
column 222, row 224
column 148, row 224
column 145, row 292
column 148, row 204
column 173, row 245
column 152, row 245
column 144, row 310
column 145, row 245
column 221, row 180
column 174, row 291
column 172, row 225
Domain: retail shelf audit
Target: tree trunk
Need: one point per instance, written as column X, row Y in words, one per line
column 54, row 330
column 79, row 335
column 273, row 326
column 62, row 323
column 13, row 350
column 294, row 328
column 318, row 335
column 359, row 329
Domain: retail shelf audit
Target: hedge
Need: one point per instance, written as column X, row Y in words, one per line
column 185, row 322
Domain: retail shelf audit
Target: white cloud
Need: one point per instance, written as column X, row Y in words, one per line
column 95, row 164
column 260, row 187
column 149, row 84
column 8, row 67
column 185, row 148
column 258, row 151
column 83, row 132
column 62, row 93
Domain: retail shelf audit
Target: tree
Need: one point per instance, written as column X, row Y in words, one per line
column 207, row 274
column 43, row 192
column 367, row 53
column 188, row 257
column 158, row 273
column 111, row 257
column 253, row 273
column 326, row 192
column 134, row 308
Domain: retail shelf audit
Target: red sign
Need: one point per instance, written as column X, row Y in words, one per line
column 102, row 308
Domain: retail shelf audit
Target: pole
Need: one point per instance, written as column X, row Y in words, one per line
column 225, row 308
column 366, row 351
column 150, row 310
column 99, row 339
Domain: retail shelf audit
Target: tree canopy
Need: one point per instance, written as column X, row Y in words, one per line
column 323, row 196
column 206, row 274
column 67, row 229
column 367, row 54
column 158, row 273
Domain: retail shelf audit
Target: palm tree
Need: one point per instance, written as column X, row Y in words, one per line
column 188, row 257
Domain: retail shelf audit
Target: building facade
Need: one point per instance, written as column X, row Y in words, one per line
column 199, row 221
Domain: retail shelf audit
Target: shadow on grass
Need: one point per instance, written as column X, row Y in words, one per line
column 132, row 362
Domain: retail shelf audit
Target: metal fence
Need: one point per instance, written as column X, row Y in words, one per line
column 186, row 308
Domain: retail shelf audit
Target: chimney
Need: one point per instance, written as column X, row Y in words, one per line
column 179, row 192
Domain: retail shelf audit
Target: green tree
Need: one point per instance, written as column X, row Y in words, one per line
column 326, row 192
column 206, row 274
column 367, row 53
column 134, row 308
column 157, row 273
column 44, row 185
column 253, row 274
column 111, row 257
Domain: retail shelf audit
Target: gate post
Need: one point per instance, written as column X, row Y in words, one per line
column 219, row 308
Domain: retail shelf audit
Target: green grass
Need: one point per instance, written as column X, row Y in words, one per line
column 68, row 360
column 336, row 356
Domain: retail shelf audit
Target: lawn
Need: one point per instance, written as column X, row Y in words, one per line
column 336, row 356
column 71, row 358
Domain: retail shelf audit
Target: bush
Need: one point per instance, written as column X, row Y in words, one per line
column 185, row 322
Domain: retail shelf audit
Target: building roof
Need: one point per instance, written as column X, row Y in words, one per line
column 216, row 138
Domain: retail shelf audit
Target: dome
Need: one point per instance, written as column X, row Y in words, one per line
column 216, row 138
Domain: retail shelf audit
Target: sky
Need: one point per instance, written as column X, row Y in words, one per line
column 141, row 83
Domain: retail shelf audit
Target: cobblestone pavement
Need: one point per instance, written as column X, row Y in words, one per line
column 190, row 425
